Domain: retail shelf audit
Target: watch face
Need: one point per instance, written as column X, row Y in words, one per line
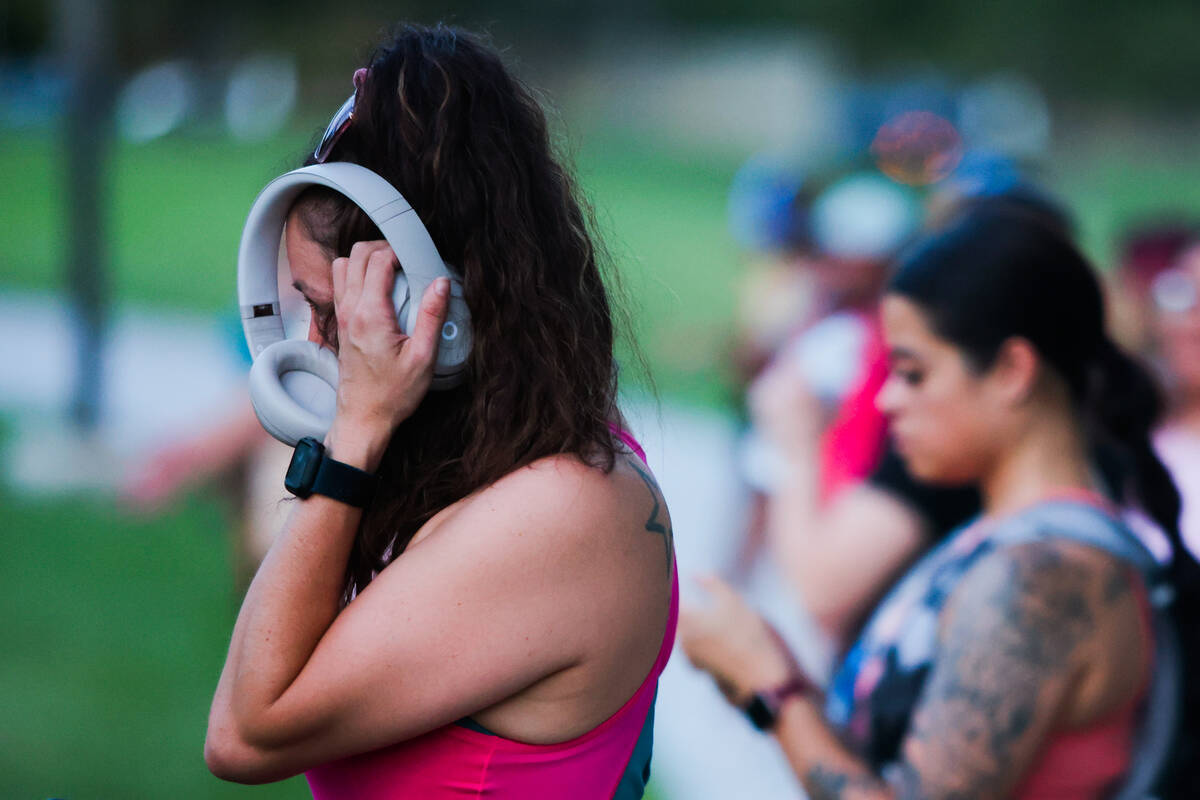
column 302, row 471
column 760, row 714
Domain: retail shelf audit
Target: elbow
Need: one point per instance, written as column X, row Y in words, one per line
column 231, row 758
column 221, row 755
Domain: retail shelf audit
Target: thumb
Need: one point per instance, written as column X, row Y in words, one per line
column 431, row 316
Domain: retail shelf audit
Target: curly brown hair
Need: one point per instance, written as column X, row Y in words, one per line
column 445, row 122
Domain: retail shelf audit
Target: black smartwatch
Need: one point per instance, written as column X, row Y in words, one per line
column 763, row 708
column 312, row 472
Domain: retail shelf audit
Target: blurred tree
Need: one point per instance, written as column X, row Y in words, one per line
column 1141, row 53
column 86, row 44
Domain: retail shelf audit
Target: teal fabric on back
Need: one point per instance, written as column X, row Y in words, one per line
column 637, row 772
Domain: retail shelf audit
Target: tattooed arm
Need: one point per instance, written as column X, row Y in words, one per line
column 1031, row 638
column 1023, row 632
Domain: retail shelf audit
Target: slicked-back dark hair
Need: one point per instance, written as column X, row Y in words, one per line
column 444, row 121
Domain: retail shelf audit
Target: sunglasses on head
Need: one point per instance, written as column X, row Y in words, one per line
column 340, row 122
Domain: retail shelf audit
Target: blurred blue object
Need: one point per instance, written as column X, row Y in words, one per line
column 985, row 177
column 766, row 210
column 33, row 92
column 984, row 173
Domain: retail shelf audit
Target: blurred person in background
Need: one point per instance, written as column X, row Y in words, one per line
column 1176, row 331
column 499, row 615
column 769, row 206
column 858, row 224
column 769, row 211
column 833, row 351
column 1159, row 279
column 1017, row 659
column 841, row 553
column 240, row 461
column 1144, row 251
column 233, row 453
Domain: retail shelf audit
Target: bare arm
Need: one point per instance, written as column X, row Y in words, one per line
column 152, row 483
column 456, row 624
column 1017, row 636
column 840, row 558
column 294, row 598
column 840, row 555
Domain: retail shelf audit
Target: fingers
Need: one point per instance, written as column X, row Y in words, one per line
column 339, row 282
column 362, row 287
column 355, row 275
column 428, row 330
column 378, row 282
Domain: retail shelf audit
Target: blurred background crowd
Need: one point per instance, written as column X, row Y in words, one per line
column 754, row 168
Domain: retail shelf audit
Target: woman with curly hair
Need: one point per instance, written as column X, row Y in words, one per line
column 495, row 621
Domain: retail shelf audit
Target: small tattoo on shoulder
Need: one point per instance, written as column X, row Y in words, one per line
column 655, row 523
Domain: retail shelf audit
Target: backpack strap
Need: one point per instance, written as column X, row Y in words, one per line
column 1097, row 528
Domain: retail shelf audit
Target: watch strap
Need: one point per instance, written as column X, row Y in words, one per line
column 765, row 705
column 344, row 483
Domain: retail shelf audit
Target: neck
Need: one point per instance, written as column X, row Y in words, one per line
column 1049, row 458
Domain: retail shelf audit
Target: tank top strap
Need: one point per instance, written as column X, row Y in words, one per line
column 627, row 439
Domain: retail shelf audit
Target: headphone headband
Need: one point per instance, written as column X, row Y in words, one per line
column 258, row 291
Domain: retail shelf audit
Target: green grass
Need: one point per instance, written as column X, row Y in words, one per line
column 114, row 632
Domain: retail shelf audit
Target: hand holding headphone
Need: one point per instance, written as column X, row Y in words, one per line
column 293, row 382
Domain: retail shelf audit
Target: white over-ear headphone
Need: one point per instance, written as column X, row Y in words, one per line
column 292, row 382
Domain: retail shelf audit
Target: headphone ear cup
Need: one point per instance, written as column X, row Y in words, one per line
column 454, row 345
column 293, row 387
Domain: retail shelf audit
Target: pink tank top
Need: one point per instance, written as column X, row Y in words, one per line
column 611, row 760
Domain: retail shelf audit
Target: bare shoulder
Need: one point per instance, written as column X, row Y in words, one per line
column 561, row 504
column 1054, row 580
column 1055, row 595
column 553, row 486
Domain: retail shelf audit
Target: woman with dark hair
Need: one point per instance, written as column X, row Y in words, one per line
column 1016, row 659
column 494, row 623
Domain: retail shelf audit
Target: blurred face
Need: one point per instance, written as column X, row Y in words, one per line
column 1177, row 319
column 850, row 279
column 312, row 276
column 944, row 417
